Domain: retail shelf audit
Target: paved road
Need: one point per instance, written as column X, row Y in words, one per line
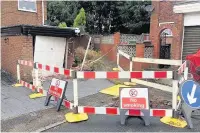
column 102, row 123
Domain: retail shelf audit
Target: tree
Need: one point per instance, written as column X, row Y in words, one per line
column 102, row 17
column 62, row 11
column 80, row 19
column 135, row 19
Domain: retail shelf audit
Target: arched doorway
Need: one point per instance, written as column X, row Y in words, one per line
column 166, row 38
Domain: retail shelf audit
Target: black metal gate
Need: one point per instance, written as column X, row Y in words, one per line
column 164, row 49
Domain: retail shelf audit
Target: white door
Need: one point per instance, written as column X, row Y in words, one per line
column 49, row 51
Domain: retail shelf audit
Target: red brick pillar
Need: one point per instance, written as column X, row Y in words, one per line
column 116, row 42
column 137, row 66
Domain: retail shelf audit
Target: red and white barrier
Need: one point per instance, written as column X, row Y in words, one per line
column 173, row 89
column 116, row 111
column 103, row 75
column 125, row 75
column 182, row 68
column 33, row 88
column 68, row 104
column 42, row 91
column 26, row 63
column 58, row 70
column 30, row 86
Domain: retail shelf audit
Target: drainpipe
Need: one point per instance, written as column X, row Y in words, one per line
column 42, row 12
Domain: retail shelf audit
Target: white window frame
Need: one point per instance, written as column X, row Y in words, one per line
column 28, row 10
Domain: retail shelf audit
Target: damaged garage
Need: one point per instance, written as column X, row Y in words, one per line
column 44, row 44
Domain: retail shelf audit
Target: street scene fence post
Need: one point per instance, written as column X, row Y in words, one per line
column 175, row 91
column 18, row 72
column 118, row 60
column 36, row 75
column 75, row 91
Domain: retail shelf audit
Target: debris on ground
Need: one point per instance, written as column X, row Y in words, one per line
column 92, row 62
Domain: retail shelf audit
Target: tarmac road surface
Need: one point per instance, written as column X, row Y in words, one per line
column 104, row 123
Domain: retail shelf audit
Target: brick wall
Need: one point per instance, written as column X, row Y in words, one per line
column 14, row 48
column 10, row 15
column 111, row 49
column 163, row 12
column 124, row 63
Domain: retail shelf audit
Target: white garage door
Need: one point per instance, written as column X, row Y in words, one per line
column 50, row 51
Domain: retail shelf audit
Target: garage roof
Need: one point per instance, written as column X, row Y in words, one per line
column 38, row 30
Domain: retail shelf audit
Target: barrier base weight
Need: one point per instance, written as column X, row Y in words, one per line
column 17, row 85
column 175, row 122
column 71, row 117
column 36, row 95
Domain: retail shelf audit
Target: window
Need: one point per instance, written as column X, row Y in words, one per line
column 27, row 5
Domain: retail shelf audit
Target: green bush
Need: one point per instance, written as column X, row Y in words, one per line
column 62, row 25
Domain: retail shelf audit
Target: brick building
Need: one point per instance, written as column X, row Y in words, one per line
column 175, row 28
column 18, row 13
column 24, row 36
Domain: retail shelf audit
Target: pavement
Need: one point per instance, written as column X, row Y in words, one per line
column 16, row 101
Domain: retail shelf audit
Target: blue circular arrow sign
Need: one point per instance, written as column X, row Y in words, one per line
column 190, row 93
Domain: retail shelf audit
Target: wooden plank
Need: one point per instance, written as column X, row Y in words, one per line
column 153, row 85
column 124, row 54
column 121, row 69
column 157, row 61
